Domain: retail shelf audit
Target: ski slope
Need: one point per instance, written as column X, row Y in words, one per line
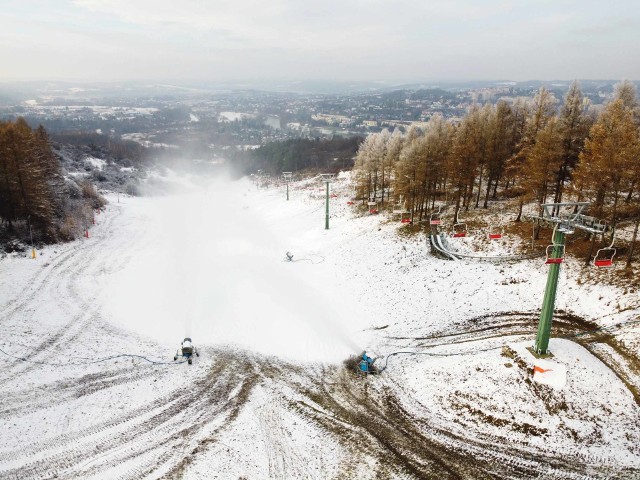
column 90, row 329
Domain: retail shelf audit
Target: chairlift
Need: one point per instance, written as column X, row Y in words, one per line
column 552, row 260
column 604, row 256
column 550, row 249
column 434, row 219
column 459, row 230
column 495, row 232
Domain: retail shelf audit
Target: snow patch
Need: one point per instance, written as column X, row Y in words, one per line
column 550, row 373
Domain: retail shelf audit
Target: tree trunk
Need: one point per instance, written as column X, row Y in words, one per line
column 488, row 192
column 633, row 244
column 456, row 213
column 425, row 198
column 479, row 186
column 520, row 205
column 472, row 184
column 630, row 194
column 382, row 187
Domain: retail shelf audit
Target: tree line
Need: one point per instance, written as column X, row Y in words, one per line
column 33, row 191
column 320, row 154
column 539, row 150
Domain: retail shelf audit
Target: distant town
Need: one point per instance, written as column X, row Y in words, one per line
column 173, row 117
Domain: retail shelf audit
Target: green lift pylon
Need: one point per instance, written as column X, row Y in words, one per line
column 326, row 177
column 326, row 215
column 548, row 304
column 287, row 178
column 564, row 217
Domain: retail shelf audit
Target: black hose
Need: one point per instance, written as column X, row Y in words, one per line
column 91, row 361
column 602, row 329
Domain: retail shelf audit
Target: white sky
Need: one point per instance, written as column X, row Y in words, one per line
column 412, row 40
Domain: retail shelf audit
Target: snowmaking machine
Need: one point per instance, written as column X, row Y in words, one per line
column 187, row 350
column 366, row 365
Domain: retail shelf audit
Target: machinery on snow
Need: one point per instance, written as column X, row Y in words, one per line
column 367, row 366
column 364, row 364
column 187, row 350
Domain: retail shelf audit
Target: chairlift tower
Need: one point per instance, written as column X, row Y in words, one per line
column 287, row 178
column 563, row 224
column 326, row 178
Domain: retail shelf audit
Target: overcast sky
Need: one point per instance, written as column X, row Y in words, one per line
column 350, row 40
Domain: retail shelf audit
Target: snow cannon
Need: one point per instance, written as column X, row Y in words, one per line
column 187, row 350
column 366, row 365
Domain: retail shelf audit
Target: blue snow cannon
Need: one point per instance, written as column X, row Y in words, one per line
column 366, row 364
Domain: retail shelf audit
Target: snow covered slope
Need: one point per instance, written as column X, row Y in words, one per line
column 90, row 329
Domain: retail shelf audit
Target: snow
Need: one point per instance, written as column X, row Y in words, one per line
column 233, row 116
column 144, row 140
column 233, row 286
column 96, row 162
column 550, row 373
column 209, row 263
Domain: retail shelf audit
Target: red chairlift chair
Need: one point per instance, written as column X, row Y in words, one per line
column 604, row 256
column 405, row 217
column 551, row 260
column 434, row 219
column 459, row 230
column 495, row 233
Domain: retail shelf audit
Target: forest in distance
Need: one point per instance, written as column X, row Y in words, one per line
column 534, row 152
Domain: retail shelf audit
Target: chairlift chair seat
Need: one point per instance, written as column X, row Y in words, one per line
column 459, row 230
column 493, row 234
column 604, row 256
column 604, row 260
column 607, row 262
column 552, row 260
column 434, row 218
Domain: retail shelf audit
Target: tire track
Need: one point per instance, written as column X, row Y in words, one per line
column 82, row 311
column 145, row 429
